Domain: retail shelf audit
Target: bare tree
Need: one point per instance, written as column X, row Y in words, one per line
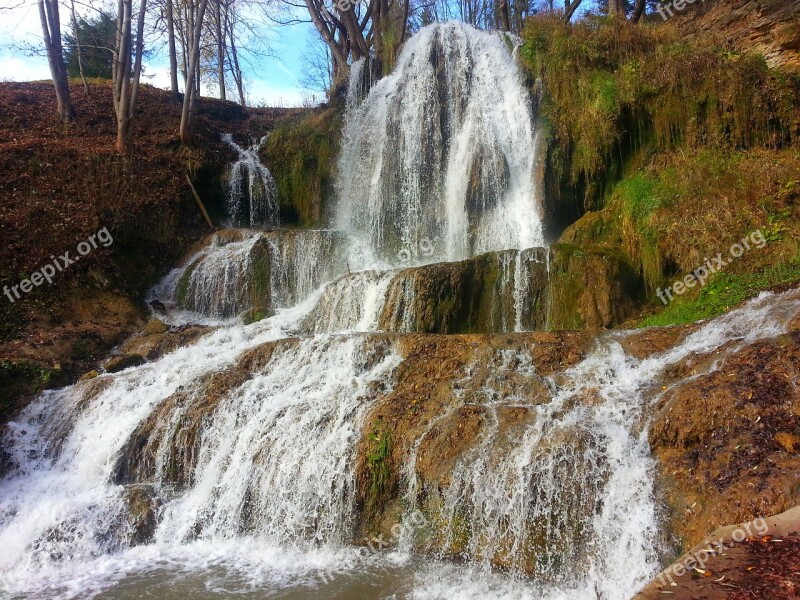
column 192, row 72
column 232, row 54
column 51, row 32
column 76, row 32
column 317, row 71
column 172, row 51
column 631, row 10
column 353, row 30
column 570, row 8
column 618, row 8
column 125, row 76
column 505, row 17
column 638, row 10
column 220, row 41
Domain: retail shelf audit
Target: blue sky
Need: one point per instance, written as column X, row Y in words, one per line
column 273, row 80
column 270, row 80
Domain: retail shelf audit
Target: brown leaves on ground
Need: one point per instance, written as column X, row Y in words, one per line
column 772, row 571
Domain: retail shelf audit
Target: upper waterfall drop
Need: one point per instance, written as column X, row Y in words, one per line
column 250, row 188
column 441, row 152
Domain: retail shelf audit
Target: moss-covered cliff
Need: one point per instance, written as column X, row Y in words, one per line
column 664, row 150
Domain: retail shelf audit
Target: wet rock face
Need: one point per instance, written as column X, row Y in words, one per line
column 726, row 440
column 252, row 275
column 126, row 361
column 462, row 400
column 156, row 340
column 260, row 272
column 164, row 447
column 590, row 290
column 142, row 503
column 494, row 292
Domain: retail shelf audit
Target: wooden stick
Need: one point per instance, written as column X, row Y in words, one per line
column 199, row 202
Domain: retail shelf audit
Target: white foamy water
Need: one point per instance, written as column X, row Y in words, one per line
column 442, row 150
column 237, row 452
column 252, row 193
column 273, row 470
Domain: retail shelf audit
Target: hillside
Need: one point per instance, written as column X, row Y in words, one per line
column 61, row 184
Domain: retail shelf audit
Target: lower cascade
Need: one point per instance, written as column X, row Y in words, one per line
column 249, row 458
column 320, row 436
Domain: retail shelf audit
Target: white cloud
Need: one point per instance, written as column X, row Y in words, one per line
column 20, row 26
column 21, row 23
column 262, row 92
column 157, row 76
column 27, row 68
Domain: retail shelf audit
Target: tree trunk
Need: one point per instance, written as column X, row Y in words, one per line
column 173, row 54
column 234, row 59
column 321, row 19
column 404, row 30
column 617, row 8
column 121, row 73
column 638, row 11
column 79, row 48
column 505, row 18
column 126, row 77
column 194, row 59
column 51, row 33
column 571, row 7
column 220, row 48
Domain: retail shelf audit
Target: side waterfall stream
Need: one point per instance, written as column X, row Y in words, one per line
column 243, row 446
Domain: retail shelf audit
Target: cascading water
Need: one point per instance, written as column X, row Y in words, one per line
column 251, row 189
column 229, row 466
column 245, row 442
column 241, row 270
column 443, row 150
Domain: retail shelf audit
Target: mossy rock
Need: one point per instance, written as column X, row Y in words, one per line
column 120, row 363
column 591, row 288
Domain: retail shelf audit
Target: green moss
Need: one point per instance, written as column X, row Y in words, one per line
column 301, row 154
column 20, row 378
column 612, row 91
column 723, row 292
column 639, row 198
column 379, row 471
column 260, row 285
column 25, row 369
column 566, row 286
column 182, row 288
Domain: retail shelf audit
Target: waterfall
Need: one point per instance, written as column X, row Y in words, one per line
column 231, row 465
column 443, row 150
column 244, row 270
column 247, row 440
column 252, row 193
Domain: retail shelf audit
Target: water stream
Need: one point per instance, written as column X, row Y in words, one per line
column 228, row 466
column 251, row 190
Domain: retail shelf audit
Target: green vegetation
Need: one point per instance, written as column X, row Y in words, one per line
column 663, row 150
column 301, row 154
column 26, row 369
column 96, row 37
column 615, row 95
column 21, row 378
column 379, row 471
column 723, row 292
